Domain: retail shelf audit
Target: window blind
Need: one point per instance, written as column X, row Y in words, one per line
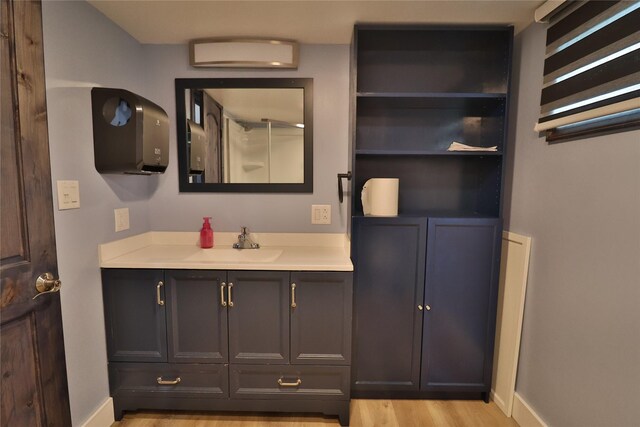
column 591, row 69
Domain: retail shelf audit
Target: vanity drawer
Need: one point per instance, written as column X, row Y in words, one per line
column 297, row 382
column 165, row 379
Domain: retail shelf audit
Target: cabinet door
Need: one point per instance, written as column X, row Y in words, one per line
column 258, row 307
column 321, row 318
column 389, row 258
column 134, row 314
column 460, row 301
column 196, row 316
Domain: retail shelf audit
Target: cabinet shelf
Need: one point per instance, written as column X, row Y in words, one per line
column 432, row 95
column 386, row 152
column 432, row 59
column 428, row 213
column 428, row 123
column 480, row 104
column 460, row 184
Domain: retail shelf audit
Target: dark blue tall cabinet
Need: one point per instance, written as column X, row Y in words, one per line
column 425, row 282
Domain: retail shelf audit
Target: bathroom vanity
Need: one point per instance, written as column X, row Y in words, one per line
column 224, row 329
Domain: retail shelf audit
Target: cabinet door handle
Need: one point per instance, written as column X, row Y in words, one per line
column 293, row 296
column 168, row 382
column 222, row 301
column 159, row 294
column 283, row 384
column 419, row 307
column 229, row 300
column 427, row 307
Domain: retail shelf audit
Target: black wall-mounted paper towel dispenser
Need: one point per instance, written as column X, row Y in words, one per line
column 130, row 133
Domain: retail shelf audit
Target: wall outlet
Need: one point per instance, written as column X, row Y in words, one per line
column 68, row 195
column 320, row 214
column 122, row 219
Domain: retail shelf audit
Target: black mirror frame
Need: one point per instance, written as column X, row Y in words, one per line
column 220, row 83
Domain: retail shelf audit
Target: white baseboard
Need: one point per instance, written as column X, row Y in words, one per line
column 103, row 416
column 500, row 403
column 524, row 415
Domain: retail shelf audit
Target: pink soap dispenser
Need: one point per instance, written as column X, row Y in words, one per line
column 206, row 234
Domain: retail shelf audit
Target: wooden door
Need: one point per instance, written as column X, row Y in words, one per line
column 460, row 304
column 321, row 318
column 197, row 316
column 134, row 315
column 389, row 258
column 258, row 307
column 34, row 379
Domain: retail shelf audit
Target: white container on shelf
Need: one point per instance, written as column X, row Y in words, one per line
column 380, row 197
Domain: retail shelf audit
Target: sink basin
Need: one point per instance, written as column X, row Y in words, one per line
column 226, row 255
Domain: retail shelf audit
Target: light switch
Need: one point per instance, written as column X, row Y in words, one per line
column 68, row 195
column 122, row 219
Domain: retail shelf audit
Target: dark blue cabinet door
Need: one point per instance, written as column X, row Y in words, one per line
column 321, row 318
column 196, row 316
column 460, row 303
column 134, row 314
column 389, row 258
column 258, row 313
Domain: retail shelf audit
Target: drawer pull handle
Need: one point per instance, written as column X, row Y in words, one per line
column 158, row 294
column 229, row 300
column 222, row 301
column 283, row 384
column 293, row 296
column 168, row 382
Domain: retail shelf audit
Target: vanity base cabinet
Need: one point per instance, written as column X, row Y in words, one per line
column 196, row 317
column 133, row 402
column 134, row 319
column 321, row 318
column 258, row 310
column 216, row 340
column 425, row 305
column 292, row 382
column 168, row 380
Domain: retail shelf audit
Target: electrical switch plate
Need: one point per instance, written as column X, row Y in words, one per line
column 320, row 214
column 122, row 219
column 68, row 195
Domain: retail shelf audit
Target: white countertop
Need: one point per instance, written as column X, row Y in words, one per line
column 278, row 251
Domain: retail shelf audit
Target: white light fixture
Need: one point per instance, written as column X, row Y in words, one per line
column 243, row 53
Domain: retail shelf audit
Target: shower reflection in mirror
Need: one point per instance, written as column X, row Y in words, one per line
column 243, row 135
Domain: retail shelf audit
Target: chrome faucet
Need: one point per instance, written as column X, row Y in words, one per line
column 244, row 241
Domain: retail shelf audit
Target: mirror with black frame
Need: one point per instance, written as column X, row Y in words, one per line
column 245, row 135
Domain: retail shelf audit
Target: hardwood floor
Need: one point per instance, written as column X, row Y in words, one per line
column 364, row 413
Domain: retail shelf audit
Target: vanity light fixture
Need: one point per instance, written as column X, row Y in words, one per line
column 243, row 53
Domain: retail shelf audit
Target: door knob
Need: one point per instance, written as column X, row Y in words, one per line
column 46, row 284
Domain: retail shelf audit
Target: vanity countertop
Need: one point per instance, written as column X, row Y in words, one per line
column 278, row 251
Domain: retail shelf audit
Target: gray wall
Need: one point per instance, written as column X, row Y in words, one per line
column 83, row 49
column 580, row 201
column 328, row 65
